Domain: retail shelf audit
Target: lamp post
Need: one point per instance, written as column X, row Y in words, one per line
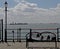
column 6, row 21
column 2, row 29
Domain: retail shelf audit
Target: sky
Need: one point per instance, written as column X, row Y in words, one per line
column 31, row 11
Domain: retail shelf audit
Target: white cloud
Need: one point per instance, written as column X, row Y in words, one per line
column 31, row 13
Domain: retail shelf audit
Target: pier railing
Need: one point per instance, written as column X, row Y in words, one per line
column 30, row 34
column 19, row 35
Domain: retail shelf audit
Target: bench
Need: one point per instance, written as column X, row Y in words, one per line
column 30, row 39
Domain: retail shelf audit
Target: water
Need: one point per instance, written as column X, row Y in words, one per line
column 36, row 25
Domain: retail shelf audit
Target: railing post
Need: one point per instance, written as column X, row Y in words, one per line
column 13, row 35
column 30, row 33
column 55, row 43
column 57, row 34
column 19, row 35
column 2, row 29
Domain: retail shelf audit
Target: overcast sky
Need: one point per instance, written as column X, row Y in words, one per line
column 32, row 11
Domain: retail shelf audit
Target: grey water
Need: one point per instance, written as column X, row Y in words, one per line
column 35, row 25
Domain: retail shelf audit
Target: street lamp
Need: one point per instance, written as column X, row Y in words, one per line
column 6, row 20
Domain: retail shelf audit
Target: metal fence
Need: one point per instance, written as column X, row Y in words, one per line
column 17, row 34
column 20, row 34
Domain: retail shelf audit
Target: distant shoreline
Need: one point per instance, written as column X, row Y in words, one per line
column 18, row 23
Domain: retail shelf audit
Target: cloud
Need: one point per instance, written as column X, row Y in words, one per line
column 31, row 13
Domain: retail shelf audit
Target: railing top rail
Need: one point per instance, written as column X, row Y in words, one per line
column 35, row 29
column 45, row 29
column 20, row 29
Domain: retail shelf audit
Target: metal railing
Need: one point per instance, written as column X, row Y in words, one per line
column 17, row 35
column 20, row 34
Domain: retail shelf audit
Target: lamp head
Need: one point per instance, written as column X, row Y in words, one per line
column 6, row 3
